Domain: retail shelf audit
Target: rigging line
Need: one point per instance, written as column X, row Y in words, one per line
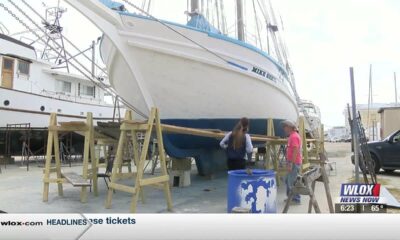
column 177, row 32
column 264, row 12
column 148, row 6
column 258, row 27
column 66, row 39
column 88, row 76
column 217, row 11
column 143, row 3
column 45, row 34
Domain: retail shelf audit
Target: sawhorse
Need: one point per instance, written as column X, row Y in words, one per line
column 305, row 185
column 88, row 153
column 133, row 127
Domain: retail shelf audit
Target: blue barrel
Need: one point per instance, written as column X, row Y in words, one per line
column 256, row 191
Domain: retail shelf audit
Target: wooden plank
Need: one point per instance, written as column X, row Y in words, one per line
column 49, row 152
column 122, row 188
column 154, row 180
column 219, row 135
column 68, row 128
column 142, row 159
column 56, row 144
column 73, row 123
column 55, row 180
column 139, row 127
column 121, row 176
column 52, row 170
column 76, row 180
column 117, row 163
column 163, row 162
column 134, row 122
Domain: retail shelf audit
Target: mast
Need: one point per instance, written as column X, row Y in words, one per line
column 194, row 5
column 240, row 23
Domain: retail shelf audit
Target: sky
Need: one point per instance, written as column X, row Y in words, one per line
column 324, row 39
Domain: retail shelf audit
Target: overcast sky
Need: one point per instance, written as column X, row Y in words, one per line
column 324, row 38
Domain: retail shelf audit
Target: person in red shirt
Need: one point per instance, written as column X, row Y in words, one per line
column 293, row 156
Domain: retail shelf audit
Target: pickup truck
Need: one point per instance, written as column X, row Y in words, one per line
column 386, row 153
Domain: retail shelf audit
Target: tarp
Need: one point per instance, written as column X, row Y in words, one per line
column 200, row 22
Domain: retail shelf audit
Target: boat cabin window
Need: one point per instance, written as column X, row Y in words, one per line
column 23, row 67
column 8, row 63
column 65, row 87
column 87, row 91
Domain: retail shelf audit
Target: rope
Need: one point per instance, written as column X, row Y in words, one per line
column 67, row 40
column 88, row 76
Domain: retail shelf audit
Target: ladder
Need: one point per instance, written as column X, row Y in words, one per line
column 367, row 164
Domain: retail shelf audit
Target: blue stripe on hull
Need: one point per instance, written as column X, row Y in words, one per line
column 209, row 157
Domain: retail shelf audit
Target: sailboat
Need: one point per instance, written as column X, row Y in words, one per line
column 197, row 76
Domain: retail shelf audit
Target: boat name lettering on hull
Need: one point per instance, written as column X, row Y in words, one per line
column 263, row 73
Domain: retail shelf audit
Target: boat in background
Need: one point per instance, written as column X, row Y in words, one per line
column 197, row 76
column 314, row 116
column 31, row 89
column 35, row 81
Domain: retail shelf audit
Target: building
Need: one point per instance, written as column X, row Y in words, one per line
column 338, row 133
column 390, row 120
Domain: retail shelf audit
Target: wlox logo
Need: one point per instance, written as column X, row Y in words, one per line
column 20, row 223
column 360, row 190
column 360, row 193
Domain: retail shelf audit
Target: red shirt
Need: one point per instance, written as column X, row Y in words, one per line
column 294, row 141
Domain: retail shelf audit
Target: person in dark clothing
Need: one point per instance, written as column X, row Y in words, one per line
column 237, row 144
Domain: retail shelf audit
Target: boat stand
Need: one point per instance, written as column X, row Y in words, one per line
column 305, row 185
column 129, row 126
column 75, row 179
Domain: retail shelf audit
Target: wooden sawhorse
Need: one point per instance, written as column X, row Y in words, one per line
column 305, row 185
column 88, row 153
column 133, row 127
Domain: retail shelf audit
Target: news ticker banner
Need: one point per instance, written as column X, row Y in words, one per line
column 360, row 198
column 199, row 226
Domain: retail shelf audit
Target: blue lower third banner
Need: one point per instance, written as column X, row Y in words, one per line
column 198, row 226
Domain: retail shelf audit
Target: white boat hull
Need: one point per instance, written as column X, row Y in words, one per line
column 209, row 81
column 185, row 82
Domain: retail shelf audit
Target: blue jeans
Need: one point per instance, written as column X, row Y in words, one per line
column 290, row 179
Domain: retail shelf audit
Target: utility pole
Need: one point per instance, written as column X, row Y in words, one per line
column 240, row 23
column 395, row 89
column 356, row 144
